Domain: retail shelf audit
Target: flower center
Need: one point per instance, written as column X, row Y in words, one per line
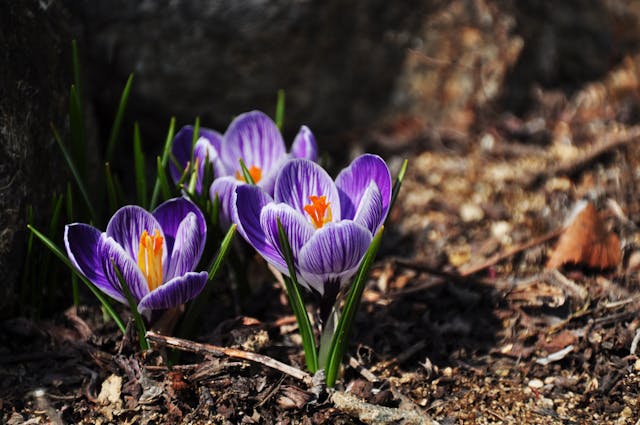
column 319, row 210
column 254, row 172
column 150, row 258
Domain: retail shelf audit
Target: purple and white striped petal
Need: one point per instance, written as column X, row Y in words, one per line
column 81, row 241
column 333, row 254
column 171, row 213
column 255, row 138
column 304, row 145
column 353, row 181
column 127, row 225
column 299, row 179
column 108, row 250
column 177, row 291
column 206, row 154
column 247, row 205
column 369, row 213
column 297, row 228
column 187, row 248
column 183, row 143
column 224, row 188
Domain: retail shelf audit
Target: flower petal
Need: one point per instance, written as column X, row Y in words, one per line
column 126, row 227
column 81, row 241
column 298, row 229
column 187, row 248
column 224, row 188
column 177, row 291
column 299, row 179
column 304, row 145
column 207, row 154
column 182, row 145
column 333, row 254
column 369, row 213
column 108, row 250
column 255, row 138
column 353, row 181
column 247, row 205
column 171, row 213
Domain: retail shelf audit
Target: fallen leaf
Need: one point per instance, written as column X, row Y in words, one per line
column 586, row 241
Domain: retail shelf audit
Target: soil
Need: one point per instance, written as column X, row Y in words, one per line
column 461, row 321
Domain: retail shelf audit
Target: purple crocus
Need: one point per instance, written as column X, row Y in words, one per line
column 155, row 252
column 252, row 137
column 329, row 224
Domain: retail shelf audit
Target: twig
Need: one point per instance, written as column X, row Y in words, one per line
column 366, row 373
column 494, row 259
column 573, row 167
column 214, row 350
column 634, row 343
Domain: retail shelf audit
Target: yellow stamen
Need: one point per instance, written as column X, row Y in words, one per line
column 317, row 209
column 254, row 172
column 150, row 258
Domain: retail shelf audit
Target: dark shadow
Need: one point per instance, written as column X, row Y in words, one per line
column 566, row 45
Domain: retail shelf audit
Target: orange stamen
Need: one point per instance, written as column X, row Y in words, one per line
column 150, row 258
column 317, row 209
column 254, row 172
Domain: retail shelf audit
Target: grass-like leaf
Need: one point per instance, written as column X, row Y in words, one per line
column 161, row 183
column 139, row 167
column 76, row 175
column 340, row 338
column 245, row 173
column 112, row 193
column 280, row 109
column 117, row 122
column 137, row 318
column 396, row 187
column 188, row 323
column 76, row 65
column 195, row 137
column 98, row 294
column 77, row 130
column 297, row 304
column 74, row 279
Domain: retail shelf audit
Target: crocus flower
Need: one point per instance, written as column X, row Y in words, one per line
column 329, row 224
column 252, row 137
column 155, row 252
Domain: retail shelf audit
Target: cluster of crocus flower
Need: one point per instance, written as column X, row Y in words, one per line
column 330, row 224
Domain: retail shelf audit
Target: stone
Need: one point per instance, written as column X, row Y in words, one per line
column 34, row 51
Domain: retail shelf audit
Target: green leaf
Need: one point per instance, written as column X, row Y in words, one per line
column 117, row 122
column 76, row 175
column 76, row 66
column 188, row 323
column 297, row 304
column 280, row 109
column 98, row 294
column 396, row 187
column 76, row 125
column 161, row 177
column 133, row 306
column 245, row 173
column 162, row 182
column 340, row 338
column 74, row 279
column 139, row 167
column 112, row 194
column 195, row 137
column 225, row 245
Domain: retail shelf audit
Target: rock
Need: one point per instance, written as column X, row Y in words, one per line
column 215, row 60
column 34, row 52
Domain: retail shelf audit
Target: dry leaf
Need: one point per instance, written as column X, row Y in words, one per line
column 586, row 241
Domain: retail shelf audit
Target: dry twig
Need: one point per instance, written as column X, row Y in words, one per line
column 214, row 350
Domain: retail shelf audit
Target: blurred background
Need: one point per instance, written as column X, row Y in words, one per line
column 394, row 78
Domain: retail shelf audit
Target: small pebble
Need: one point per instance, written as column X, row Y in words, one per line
column 536, row 384
column 447, row 371
column 471, row 212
